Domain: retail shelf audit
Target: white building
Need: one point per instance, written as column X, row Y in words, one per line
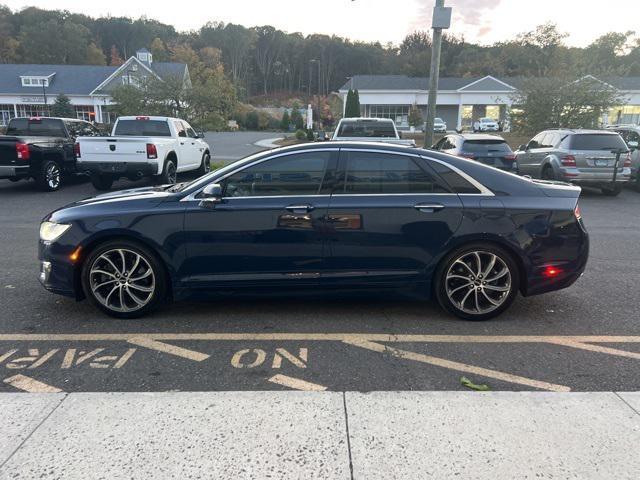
column 30, row 90
column 461, row 101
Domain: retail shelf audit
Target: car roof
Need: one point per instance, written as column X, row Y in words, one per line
column 581, row 131
column 366, row 119
column 50, row 118
column 477, row 136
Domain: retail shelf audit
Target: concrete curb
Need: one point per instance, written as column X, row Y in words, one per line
column 268, row 142
column 324, row 435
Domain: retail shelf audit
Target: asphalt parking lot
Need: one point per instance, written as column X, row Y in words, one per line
column 585, row 338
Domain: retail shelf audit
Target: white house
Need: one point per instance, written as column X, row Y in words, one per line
column 30, row 90
column 461, row 100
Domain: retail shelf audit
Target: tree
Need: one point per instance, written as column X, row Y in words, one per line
column 562, row 102
column 415, row 116
column 95, row 55
column 62, row 107
column 352, row 108
column 115, row 60
column 296, row 117
column 285, row 122
column 129, row 100
column 158, row 50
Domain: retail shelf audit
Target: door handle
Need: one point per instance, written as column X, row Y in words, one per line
column 300, row 208
column 181, row 143
column 428, row 207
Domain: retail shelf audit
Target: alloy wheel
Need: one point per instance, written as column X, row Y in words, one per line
column 122, row 280
column 52, row 176
column 172, row 176
column 478, row 282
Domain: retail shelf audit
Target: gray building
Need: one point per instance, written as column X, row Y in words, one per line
column 29, row 90
column 462, row 100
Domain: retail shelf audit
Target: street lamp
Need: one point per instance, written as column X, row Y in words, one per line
column 441, row 20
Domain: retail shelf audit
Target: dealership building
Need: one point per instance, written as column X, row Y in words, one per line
column 30, row 90
column 463, row 100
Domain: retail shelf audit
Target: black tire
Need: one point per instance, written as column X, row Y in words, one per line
column 89, row 281
column 205, row 165
column 49, row 177
column 14, row 179
column 611, row 191
column 102, row 182
column 169, row 175
column 452, row 297
column 548, row 173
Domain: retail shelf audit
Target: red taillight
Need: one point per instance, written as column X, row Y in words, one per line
column 76, row 149
column 468, row 155
column 22, row 151
column 568, row 161
column 510, row 158
column 627, row 161
column 577, row 213
column 551, row 271
column 152, row 151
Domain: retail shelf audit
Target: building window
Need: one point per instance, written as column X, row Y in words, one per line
column 398, row 113
column 40, row 110
column 35, row 81
column 6, row 113
column 130, row 80
column 627, row 114
column 85, row 112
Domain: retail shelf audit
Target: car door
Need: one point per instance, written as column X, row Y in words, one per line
column 388, row 218
column 196, row 148
column 268, row 228
column 185, row 160
column 526, row 158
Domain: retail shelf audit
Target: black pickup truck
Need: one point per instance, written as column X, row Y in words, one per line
column 41, row 148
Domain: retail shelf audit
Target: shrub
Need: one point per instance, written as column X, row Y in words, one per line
column 285, row 122
column 252, row 120
column 301, row 134
column 310, row 135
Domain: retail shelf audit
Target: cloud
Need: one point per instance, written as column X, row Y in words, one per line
column 466, row 14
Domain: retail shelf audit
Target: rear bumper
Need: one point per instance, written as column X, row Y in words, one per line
column 123, row 169
column 595, row 179
column 11, row 171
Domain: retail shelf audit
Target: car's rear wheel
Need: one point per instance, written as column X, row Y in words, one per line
column 548, row 173
column 477, row 282
column 101, row 182
column 169, row 174
column 123, row 279
column 49, row 177
column 612, row 191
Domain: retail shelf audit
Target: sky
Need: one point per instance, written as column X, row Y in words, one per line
column 481, row 21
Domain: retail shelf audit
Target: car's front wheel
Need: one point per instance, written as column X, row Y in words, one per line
column 205, row 165
column 123, row 279
column 477, row 282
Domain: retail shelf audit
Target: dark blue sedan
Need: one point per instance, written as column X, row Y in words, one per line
column 344, row 216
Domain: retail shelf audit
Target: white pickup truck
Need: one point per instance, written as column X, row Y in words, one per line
column 143, row 146
column 370, row 130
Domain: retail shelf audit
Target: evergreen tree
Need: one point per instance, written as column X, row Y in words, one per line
column 352, row 109
column 62, row 107
column 285, row 122
column 415, row 116
column 296, row 117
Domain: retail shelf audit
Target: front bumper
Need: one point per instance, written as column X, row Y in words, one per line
column 119, row 169
column 57, row 271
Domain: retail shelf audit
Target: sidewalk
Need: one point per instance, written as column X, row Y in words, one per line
column 323, row 435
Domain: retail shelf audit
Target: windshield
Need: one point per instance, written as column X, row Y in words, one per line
column 36, row 127
column 367, row 129
column 486, row 120
column 597, row 142
column 483, row 146
column 438, row 120
column 142, row 128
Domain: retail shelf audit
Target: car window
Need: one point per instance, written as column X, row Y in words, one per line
column 546, row 140
column 142, row 128
column 456, row 182
column 632, row 136
column 297, row 174
column 597, row 141
column 180, row 129
column 440, row 144
column 36, row 127
column 366, row 128
column 374, row 173
column 536, row 141
column 449, row 144
column 485, row 146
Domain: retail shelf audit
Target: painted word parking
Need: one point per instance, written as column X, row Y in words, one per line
column 314, row 362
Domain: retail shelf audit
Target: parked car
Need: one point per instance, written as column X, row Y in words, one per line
column 486, row 125
column 488, row 149
column 143, row 146
column 583, row 157
column 631, row 136
column 370, row 130
column 439, row 126
column 41, row 148
column 344, row 216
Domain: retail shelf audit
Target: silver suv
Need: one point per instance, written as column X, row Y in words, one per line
column 631, row 135
column 583, row 157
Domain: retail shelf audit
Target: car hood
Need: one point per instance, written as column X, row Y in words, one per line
column 119, row 201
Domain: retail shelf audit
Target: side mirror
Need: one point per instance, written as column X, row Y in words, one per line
column 200, row 134
column 211, row 195
column 633, row 145
column 399, row 134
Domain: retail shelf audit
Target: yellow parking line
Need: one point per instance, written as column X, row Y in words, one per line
column 596, row 348
column 170, row 349
column 296, row 383
column 28, row 384
column 336, row 337
column 461, row 367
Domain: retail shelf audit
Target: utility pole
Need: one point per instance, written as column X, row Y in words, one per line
column 441, row 20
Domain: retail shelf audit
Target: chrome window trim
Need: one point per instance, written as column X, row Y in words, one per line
column 192, row 195
column 484, row 191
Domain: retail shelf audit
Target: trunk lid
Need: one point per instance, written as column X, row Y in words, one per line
column 97, row 149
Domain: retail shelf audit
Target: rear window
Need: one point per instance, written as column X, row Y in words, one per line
column 367, row 129
column 40, row 127
column 142, row 128
column 485, row 146
column 596, row 141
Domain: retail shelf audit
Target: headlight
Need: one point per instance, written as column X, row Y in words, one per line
column 50, row 231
